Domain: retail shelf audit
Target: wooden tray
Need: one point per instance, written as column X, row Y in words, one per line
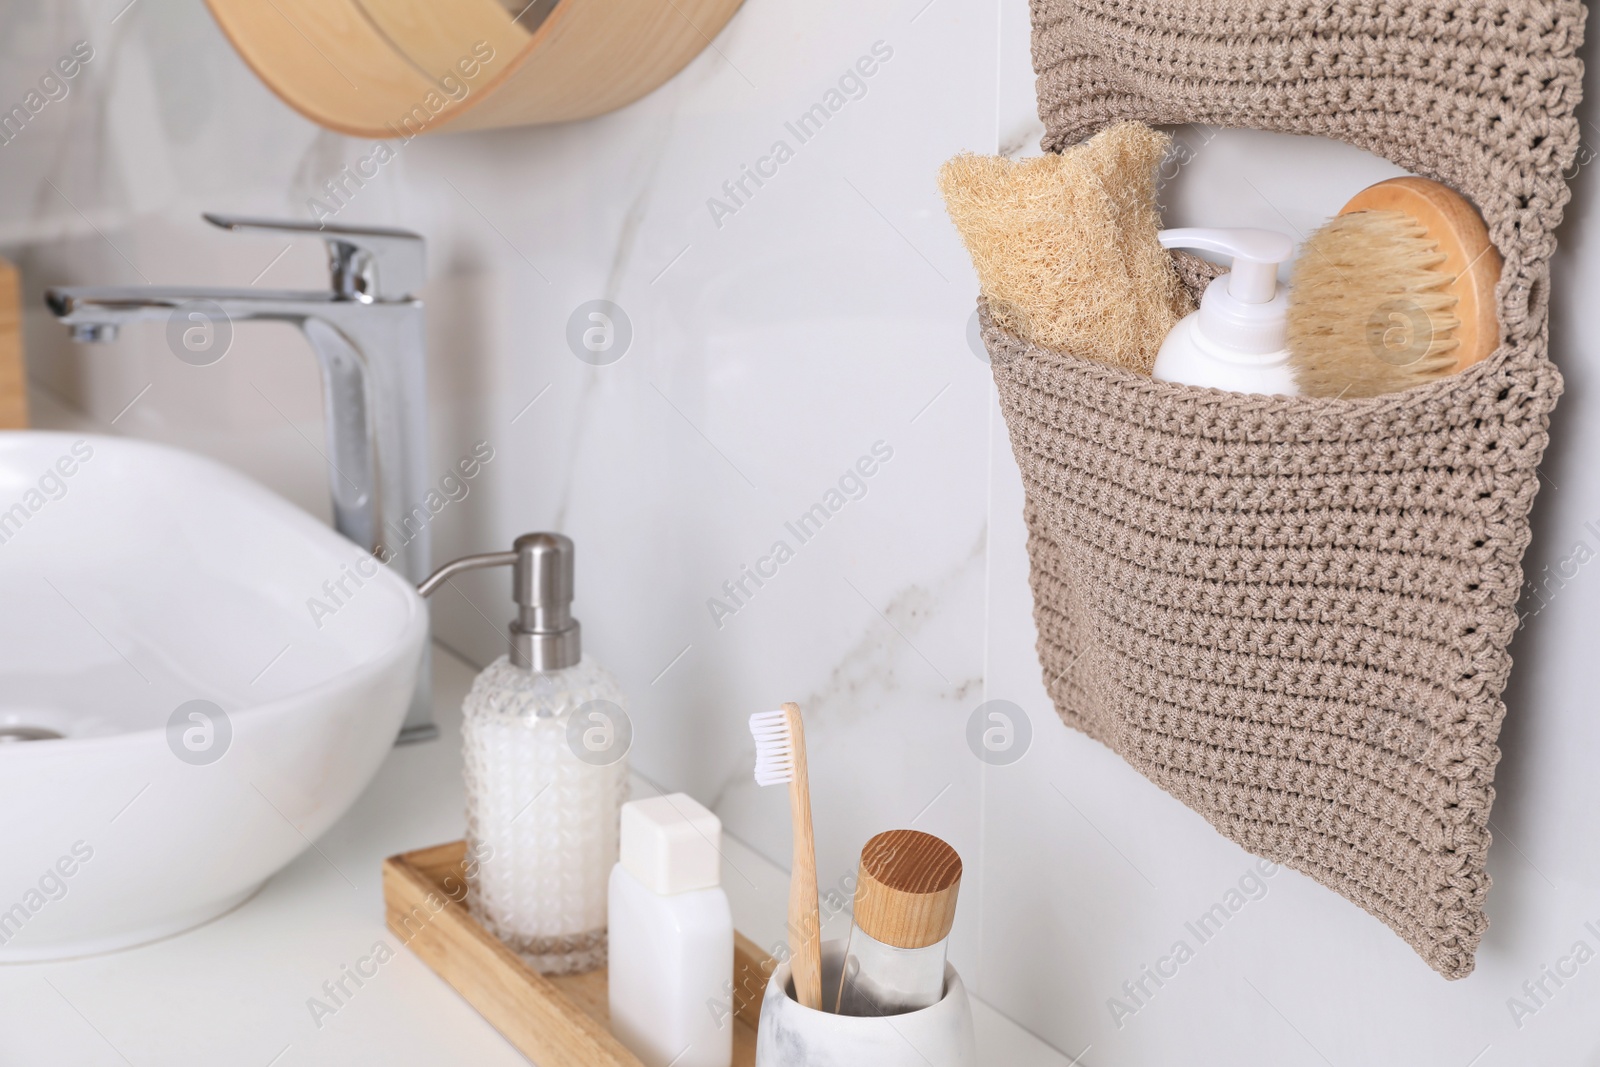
column 555, row 1022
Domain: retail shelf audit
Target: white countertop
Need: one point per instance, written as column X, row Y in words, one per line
column 235, row 991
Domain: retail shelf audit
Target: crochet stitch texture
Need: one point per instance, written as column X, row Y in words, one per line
column 1294, row 614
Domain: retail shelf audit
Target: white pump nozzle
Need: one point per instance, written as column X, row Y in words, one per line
column 1244, row 311
column 1256, row 255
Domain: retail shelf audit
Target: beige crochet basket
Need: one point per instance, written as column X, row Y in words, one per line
column 1294, row 614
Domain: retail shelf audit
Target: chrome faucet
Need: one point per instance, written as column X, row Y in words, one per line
column 367, row 332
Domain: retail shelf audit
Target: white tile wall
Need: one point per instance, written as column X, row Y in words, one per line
column 771, row 352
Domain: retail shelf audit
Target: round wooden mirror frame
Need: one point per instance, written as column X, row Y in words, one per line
column 396, row 68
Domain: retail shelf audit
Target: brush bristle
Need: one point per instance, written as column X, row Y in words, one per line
column 774, row 748
column 1369, row 308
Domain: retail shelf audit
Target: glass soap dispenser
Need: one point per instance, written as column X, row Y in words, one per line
column 544, row 741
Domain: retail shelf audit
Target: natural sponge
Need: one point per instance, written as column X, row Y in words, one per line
column 1065, row 245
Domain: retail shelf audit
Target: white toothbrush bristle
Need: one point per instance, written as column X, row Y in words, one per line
column 774, row 751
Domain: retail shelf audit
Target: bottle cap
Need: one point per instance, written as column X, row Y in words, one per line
column 672, row 844
column 906, row 896
column 1244, row 310
column 544, row 635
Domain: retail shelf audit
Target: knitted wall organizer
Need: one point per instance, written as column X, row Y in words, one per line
column 1294, row 614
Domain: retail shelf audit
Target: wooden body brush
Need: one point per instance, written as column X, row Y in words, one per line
column 781, row 759
column 1395, row 291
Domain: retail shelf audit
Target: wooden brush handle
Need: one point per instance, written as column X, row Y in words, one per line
column 805, row 921
column 1471, row 259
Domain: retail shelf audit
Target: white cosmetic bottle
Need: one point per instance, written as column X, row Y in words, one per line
column 671, row 935
column 1236, row 340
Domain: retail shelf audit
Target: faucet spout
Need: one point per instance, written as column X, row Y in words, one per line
column 366, row 331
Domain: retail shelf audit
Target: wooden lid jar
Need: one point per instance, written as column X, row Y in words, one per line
column 904, row 910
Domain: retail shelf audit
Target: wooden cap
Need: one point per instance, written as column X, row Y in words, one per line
column 907, row 893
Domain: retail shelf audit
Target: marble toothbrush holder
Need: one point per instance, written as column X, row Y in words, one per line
column 940, row 1035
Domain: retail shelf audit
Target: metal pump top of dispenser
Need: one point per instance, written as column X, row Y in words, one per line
column 544, row 635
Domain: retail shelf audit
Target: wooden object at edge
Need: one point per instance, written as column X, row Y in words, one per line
column 555, row 1022
column 13, row 372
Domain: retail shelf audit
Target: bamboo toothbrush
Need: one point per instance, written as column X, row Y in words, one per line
column 1395, row 291
column 781, row 758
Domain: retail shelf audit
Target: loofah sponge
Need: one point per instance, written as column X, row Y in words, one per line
column 1065, row 245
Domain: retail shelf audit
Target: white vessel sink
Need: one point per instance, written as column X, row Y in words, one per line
column 135, row 579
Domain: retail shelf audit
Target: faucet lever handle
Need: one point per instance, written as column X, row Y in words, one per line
column 367, row 262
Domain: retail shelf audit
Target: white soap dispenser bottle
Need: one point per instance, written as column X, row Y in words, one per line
column 1237, row 339
column 544, row 740
column 671, row 936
